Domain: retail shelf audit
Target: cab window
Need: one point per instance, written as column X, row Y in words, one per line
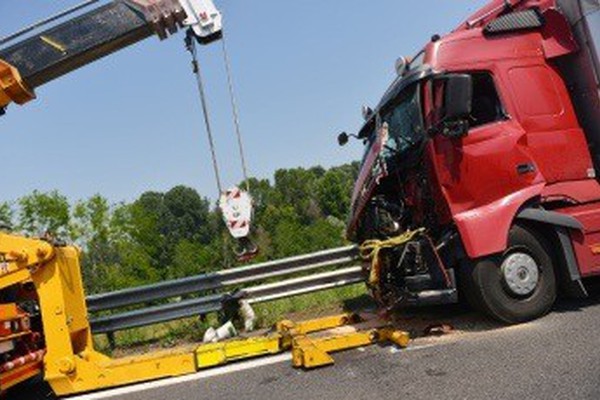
column 487, row 107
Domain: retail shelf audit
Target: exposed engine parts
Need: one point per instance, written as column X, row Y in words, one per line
column 400, row 269
column 384, row 218
column 407, row 263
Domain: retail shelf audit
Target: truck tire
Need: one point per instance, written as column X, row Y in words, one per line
column 516, row 286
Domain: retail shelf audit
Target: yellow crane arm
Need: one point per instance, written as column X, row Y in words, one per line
column 42, row 57
column 20, row 256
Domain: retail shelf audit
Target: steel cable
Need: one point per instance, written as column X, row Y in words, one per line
column 192, row 47
column 234, row 108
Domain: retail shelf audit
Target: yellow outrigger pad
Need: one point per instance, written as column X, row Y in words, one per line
column 312, row 352
column 307, row 352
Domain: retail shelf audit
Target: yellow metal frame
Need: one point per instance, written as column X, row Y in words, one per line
column 214, row 354
column 308, row 352
column 312, row 353
column 71, row 365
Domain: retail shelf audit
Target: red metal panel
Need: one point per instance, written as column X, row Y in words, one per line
column 478, row 173
column 558, row 36
column 583, row 191
column 545, row 100
column 465, row 49
column 484, row 230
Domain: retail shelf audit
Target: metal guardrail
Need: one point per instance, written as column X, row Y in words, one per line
column 158, row 314
column 219, row 281
column 304, row 285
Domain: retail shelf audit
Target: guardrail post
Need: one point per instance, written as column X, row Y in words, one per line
column 112, row 342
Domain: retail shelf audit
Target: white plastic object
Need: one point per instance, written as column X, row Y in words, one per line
column 210, row 335
column 236, row 207
column 225, row 331
column 248, row 314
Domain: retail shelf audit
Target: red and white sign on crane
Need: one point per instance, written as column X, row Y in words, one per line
column 236, row 206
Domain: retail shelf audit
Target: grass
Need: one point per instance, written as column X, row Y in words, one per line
column 310, row 305
column 191, row 330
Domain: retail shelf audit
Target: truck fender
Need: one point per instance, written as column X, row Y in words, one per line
column 560, row 224
column 550, row 217
column 484, row 230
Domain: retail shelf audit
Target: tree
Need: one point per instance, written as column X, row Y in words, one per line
column 186, row 216
column 262, row 194
column 91, row 221
column 296, row 187
column 6, row 216
column 143, row 224
column 44, row 212
column 177, row 233
column 192, row 259
column 91, row 228
column 334, row 190
column 162, row 220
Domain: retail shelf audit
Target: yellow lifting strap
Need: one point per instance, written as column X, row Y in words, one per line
column 370, row 249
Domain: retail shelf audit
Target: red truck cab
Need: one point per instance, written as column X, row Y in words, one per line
column 489, row 139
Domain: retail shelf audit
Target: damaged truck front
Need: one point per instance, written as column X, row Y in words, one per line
column 480, row 160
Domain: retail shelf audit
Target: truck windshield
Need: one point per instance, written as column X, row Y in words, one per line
column 404, row 122
column 405, row 126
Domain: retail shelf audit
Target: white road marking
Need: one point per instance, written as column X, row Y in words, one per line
column 396, row 349
column 228, row 369
column 422, row 347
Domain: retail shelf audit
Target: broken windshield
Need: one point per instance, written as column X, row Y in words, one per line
column 404, row 124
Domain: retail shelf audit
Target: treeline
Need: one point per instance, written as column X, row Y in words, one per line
column 180, row 233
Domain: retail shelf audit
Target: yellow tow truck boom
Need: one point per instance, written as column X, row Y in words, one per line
column 42, row 57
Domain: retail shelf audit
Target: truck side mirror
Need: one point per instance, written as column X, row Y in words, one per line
column 458, row 105
column 458, row 97
column 366, row 112
column 343, row 138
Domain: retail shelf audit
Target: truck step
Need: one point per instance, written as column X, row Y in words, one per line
column 434, row 297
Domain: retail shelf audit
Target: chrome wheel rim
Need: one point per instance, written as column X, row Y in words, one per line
column 521, row 273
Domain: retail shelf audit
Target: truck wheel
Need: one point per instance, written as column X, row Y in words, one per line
column 518, row 285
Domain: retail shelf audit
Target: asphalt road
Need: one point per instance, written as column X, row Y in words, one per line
column 556, row 357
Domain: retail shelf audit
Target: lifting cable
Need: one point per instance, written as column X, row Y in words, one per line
column 193, row 49
column 190, row 42
column 234, row 108
column 235, row 204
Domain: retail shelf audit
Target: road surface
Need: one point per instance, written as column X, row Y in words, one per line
column 556, row 357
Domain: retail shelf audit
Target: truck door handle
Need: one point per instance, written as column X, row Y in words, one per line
column 526, row 168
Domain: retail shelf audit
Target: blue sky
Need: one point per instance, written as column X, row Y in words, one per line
column 132, row 122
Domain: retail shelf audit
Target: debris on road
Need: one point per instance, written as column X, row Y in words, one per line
column 438, row 330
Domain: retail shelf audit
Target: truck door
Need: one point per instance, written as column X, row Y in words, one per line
column 480, row 168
